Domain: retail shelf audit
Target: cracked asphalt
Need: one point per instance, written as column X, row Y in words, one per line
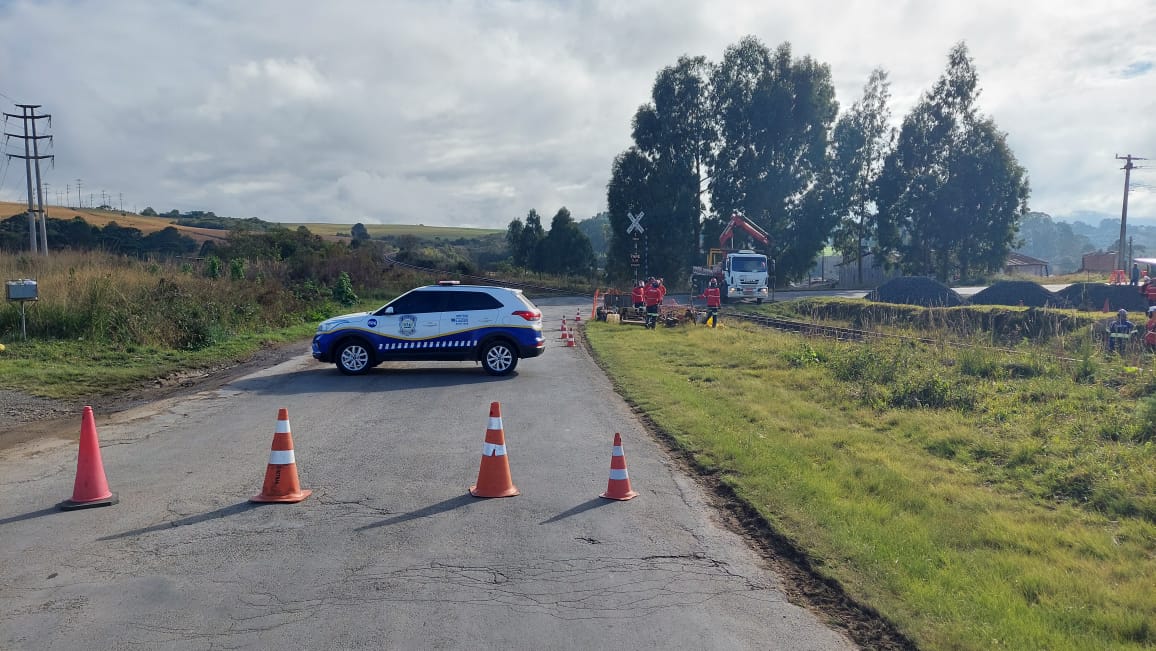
column 390, row 551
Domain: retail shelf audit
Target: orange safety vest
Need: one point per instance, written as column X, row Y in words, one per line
column 652, row 295
column 713, row 297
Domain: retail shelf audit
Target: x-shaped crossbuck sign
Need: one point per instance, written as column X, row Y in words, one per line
column 635, row 223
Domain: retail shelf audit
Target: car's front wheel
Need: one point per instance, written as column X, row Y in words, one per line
column 354, row 357
column 499, row 358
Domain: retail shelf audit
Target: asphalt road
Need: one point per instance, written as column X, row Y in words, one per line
column 390, row 551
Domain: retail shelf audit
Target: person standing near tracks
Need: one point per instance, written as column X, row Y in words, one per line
column 652, row 296
column 1150, row 329
column 1135, row 278
column 1119, row 332
column 636, row 295
column 713, row 302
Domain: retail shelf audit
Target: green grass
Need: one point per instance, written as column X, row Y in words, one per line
column 79, row 369
column 975, row 499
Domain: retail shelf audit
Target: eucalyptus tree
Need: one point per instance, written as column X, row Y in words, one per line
column 951, row 192
column 675, row 133
column 775, row 114
column 566, row 249
column 860, row 143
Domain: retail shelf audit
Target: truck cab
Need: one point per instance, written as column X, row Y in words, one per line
column 745, row 274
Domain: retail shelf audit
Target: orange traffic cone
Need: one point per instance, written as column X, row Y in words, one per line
column 565, row 332
column 570, row 339
column 1107, row 308
column 91, row 486
column 618, row 487
column 577, row 314
column 281, row 484
column 494, row 476
column 563, row 324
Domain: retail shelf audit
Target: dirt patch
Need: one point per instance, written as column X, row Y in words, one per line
column 915, row 290
column 24, row 417
column 1018, row 292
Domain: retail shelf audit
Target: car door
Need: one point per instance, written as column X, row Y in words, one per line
column 465, row 317
column 408, row 326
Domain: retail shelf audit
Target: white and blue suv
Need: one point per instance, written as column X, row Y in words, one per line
column 495, row 326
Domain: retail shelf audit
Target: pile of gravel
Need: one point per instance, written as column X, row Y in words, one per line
column 915, row 290
column 1018, row 292
column 1091, row 297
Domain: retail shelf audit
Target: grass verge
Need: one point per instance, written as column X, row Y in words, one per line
column 974, row 500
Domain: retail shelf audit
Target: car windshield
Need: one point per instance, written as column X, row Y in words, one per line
column 749, row 264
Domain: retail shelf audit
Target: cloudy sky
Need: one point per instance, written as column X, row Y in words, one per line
column 446, row 112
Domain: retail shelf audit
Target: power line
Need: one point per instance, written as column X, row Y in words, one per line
column 1121, row 255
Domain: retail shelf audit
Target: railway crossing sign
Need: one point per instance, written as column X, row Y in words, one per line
column 635, row 223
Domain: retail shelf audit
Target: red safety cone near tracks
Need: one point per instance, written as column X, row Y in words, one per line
column 618, row 487
column 494, row 475
column 281, row 484
column 577, row 314
column 91, row 486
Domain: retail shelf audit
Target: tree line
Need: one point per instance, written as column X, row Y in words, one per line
column 78, row 234
column 759, row 133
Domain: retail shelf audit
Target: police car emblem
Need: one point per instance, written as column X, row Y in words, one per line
column 371, row 323
column 408, row 324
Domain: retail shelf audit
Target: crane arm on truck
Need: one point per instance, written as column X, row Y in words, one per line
column 738, row 221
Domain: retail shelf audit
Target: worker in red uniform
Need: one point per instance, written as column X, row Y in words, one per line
column 636, row 296
column 662, row 290
column 1150, row 292
column 1150, row 329
column 652, row 296
column 713, row 302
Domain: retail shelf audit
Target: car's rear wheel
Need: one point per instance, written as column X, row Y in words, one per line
column 354, row 357
column 499, row 358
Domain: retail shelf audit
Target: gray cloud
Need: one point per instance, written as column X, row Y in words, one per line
column 472, row 113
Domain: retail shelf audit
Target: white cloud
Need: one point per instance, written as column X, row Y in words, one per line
column 473, row 112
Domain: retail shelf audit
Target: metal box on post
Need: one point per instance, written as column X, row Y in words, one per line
column 22, row 290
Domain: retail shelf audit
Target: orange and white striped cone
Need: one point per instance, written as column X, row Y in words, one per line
column 494, row 474
column 281, row 485
column 570, row 340
column 565, row 333
column 577, row 314
column 618, row 487
column 563, row 324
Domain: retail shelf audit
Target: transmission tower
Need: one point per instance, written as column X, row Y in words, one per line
column 32, row 155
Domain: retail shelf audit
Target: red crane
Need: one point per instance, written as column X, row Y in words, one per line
column 739, row 221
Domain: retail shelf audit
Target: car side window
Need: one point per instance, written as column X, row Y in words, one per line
column 418, row 303
column 464, row 301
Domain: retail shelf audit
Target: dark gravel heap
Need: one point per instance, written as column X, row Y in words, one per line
column 1091, row 296
column 916, row 290
column 1018, row 292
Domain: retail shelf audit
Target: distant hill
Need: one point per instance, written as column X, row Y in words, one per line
column 102, row 218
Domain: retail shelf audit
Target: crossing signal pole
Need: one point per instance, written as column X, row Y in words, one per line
column 1121, row 257
column 32, row 156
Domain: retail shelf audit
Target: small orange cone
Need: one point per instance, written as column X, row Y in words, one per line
column 618, row 487
column 563, row 324
column 494, row 475
column 91, row 486
column 281, row 485
column 1107, row 308
column 565, row 332
column 569, row 339
column 577, row 314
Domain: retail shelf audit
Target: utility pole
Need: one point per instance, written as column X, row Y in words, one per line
column 79, row 201
column 32, row 153
column 1121, row 261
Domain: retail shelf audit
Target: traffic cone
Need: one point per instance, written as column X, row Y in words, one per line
column 577, row 314
column 1107, row 308
column 281, row 484
column 618, row 487
column 494, row 475
column 91, row 486
column 563, row 324
column 570, row 340
column 565, row 332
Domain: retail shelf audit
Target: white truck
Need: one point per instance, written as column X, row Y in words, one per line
column 741, row 274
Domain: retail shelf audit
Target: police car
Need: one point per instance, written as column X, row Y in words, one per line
column 445, row 322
